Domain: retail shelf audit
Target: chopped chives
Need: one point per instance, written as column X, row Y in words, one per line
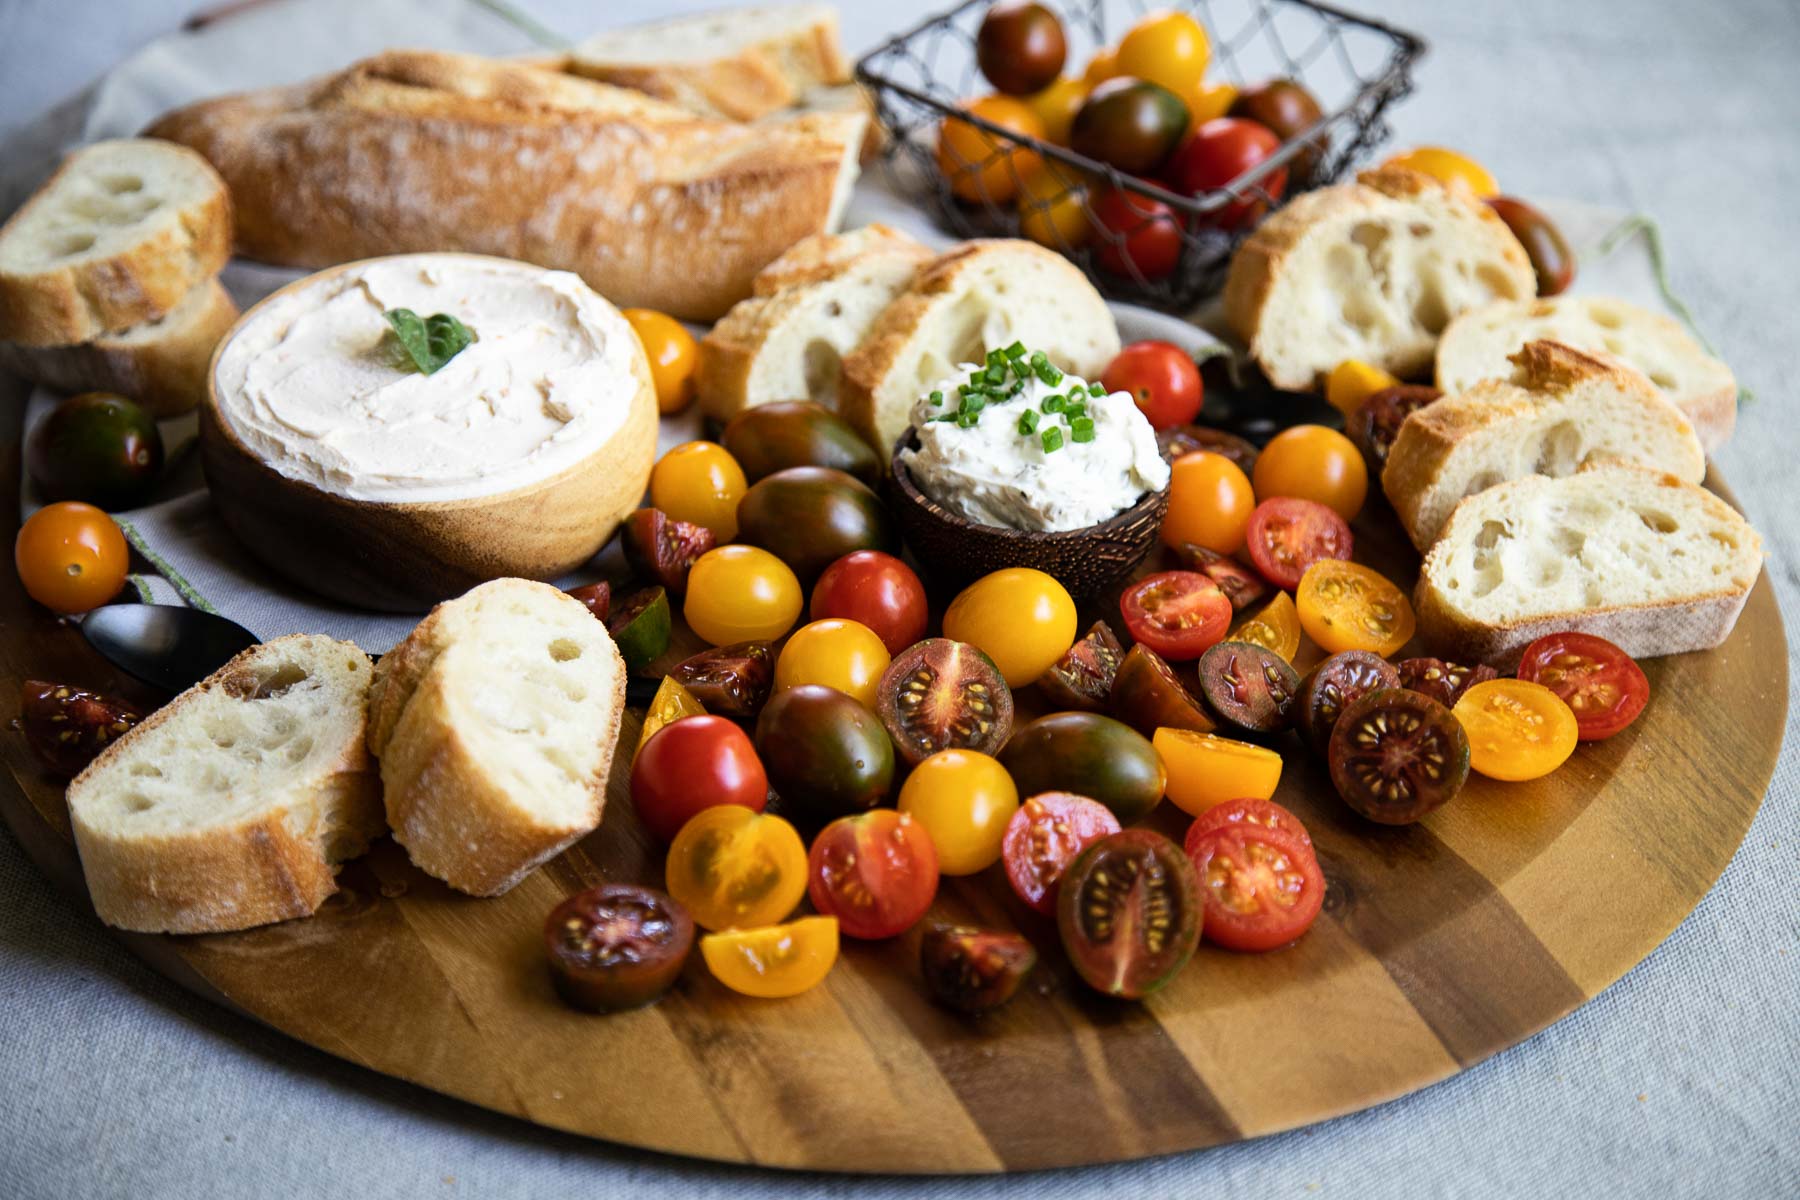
column 937, row 397
column 1039, row 359
column 1052, row 403
column 995, row 375
column 1052, row 439
column 966, row 420
column 974, row 402
column 1096, row 390
column 1028, row 421
column 1015, row 351
column 1082, row 430
column 1049, row 374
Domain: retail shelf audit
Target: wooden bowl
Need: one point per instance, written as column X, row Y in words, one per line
column 1083, row 560
column 405, row 556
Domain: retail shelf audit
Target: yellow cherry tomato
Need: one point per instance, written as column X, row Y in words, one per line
column 834, row 652
column 1053, row 208
column 981, row 166
column 964, row 799
column 1275, row 627
column 776, row 961
column 741, row 594
column 1170, row 48
column 1021, row 618
column 1102, row 67
column 1351, row 382
column 673, row 353
column 671, row 703
column 1346, row 606
column 1517, row 730
column 71, row 557
column 1057, row 105
column 736, row 868
column 1313, row 462
column 1205, row 769
column 1210, row 502
column 1208, row 102
column 1450, row 168
column 700, row 482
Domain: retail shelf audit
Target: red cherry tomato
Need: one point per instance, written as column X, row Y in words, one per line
column 1288, row 535
column 876, row 872
column 1044, row 837
column 1262, row 887
column 693, row 764
column 1221, row 150
column 1136, row 234
column 1162, row 380
column 1263, row 813
column 1598, row 681
column 876, row 590
column 1178, row 614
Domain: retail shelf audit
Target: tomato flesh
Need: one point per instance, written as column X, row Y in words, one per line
column 1287, row 535
column 1264, row 814
column 1178, row 614
column 1262, row 887
column 737, row 869
column 1598, row 681
column 1044, row 837
column 876, row 872
column 616, row 946
column 1129, row 913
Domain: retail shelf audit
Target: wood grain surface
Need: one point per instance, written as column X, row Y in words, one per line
column 1441, row 944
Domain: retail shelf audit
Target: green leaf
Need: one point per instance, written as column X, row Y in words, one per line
column 429, row 341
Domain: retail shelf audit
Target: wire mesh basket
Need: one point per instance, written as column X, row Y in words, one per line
column 1023, row 186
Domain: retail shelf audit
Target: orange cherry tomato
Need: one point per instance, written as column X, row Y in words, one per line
column 701, row 483
column 71, row 557
column 1021, row 618
column 741, row 594
column 1205, row 769
column 1346, row 606
column 1311, row 462
column 964, row 800
column 1517, row 730
column 1209, row 102
column 1352, row 381
column 836, row 653
column 1102, row 67
column 1057, row 105
column 732, row 867
column 673, row 353
column 1455, row 170
column 671, row 703
column 1274, row 627
column 1210, row 502
column 775, row 961
column 1169, row 48
column 1053, row 208
column 980, row 166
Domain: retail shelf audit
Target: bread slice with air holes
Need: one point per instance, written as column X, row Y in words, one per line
column 495, row 722
column 980, row 296
column 1371, row 270
column 811, row 307
column 1558, row 411
column 1477, row 343
column 235, row 803
column 1652, row 564
column 119, row 235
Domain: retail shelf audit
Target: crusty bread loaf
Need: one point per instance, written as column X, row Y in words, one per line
column 1372, row 270
column 1559, row 411
column 421, row 151
column 495, row 722
column 1655, row 565
column 235, row 803
column 1476, row 346
column 980, row 296
column 160, row 364
column 737, row 63
column 812, row 306
column 121, row 234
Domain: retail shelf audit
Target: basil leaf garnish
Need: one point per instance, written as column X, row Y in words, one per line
column 429, row 341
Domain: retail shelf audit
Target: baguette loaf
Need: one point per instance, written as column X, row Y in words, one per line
column 1476, row 346
column 120, row 235
column 1372, row 270
column 424, row 151
column 1560, row 410
column 234, row 804
column 495, row 722
column 1648, row 562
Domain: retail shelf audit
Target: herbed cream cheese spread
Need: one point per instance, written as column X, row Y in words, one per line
column 1017, row 444
column 314, row 384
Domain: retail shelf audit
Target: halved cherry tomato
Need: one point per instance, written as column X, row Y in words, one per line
column 671, row 703
column 690, row 765
column 774, row 961
column 673, row 355
column 71, row 557
column 1135, row 234
column 1598, row 681
column 1396, row 755
column 1021, row 618
column 67, row 727
column 1163, row 381
column 701, row 483
column 1210, row 502
column 973, row 970
column 616, row 946
column 1263, row 813
column 876, row 872
column 1287, row 535
column 1346, row 606
column 736, row 868
column 1178, row 614
column 876, row 590
column 1044, row 837
column 1263, row 888
column 964, row 800
column 1351, row 382
column 1205, row 769
column 981, row 166
column 1312, row 462
column 1275, row 627
column 1449, row 168
column 1129, row 911
column 836, row 653
column 1517, row 730
column 741, row 594
column 1219, row 152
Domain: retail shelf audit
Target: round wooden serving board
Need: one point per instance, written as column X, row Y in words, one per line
column 1441, row 943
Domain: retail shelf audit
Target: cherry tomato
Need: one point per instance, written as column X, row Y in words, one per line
column 836, row 653
column 731, row 681
column 1517, row 730
column 776, row 961
column 1287, row 535
column 964, row 800
column 1311, row 462
column 1044, row 837
column 1352, row 382
column 1178, row 614
column 596, row 598
column 1396, row 755
column 616, row 946
column 701, row 483
column 1136, row 234
column 1242, row 586
column 1288, row 110
column 1275, row 627
column 974, row 970
column 1454, row 170
column 1129, row 123
column 1205, row 769
column 1597, row 680
column 1083, row 678
column 1057, row 104
column 1219, row 152
column 1053, row 208
column 1346, row 606
column 67, row 727
column 671, row 703
column 1021, row 618
column 1550, row 255
column 1168, row 48
column 1210, row 502
column 690, row 765
column 662, row 550
column 1101, row 67
column 673, row 354
column 735, row 868
column 72, row 557
column 1264, row 814
column 1443, row 681
column 1162, row 379
column 1129, row 912
column 741, row 594
column 1020, row 47
column 1209, row 102
column 1263, row 888
column 1375, row 425
column 876, row 590
column 876, row 872
column 979, row 165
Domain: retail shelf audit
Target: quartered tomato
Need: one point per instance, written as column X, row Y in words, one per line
column 1264, row 814
column 1353, row 381
column 1346, row 606
column 671, row 703
column 1178, row 614
column 1517, row 730
column 1263, row 887
column 67, row 727
column 964, row 800
column 836, row 653
column 974, row 970
column 690, row 765
column 1449, row 168
column 1129, row 911
column 596, row 598
column 1205, row 769
column 736, row 868
column 1598, row 681
column 71, row 557
column 730, row 681
column 1083, row 678
column 1275, row 627
column 616, row 946
column 876, row 590
column 701, row 483
column 1044, row 837
column 1312, row 462
column 1242, row 586
column 741, row 594
column 1210, row 501
column 1021, row 618
column 662, row 550
column 1396, row 755
column 774, row 961
column 1148, row 695
column 876, row 872
column 1288, row 535
column 673, row 355
column 1162, row 379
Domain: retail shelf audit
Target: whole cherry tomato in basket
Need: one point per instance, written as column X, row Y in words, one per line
column 1020, row 47
column 979, row 166
column 1448, row 167
column 1162, row 379
column 1129, row 123
column 1167, row 48
column 1218, row 153
column 1288, row 110
column 1135, row 234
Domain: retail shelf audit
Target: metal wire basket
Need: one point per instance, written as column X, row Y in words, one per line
column 1354, row 66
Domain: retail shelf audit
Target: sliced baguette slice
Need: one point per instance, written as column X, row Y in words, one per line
column 120, row 235
column 811, row 307
column 1559, row 411
column 980, row 296
column 1477, row 343
column 495, row 722
column 1372, row 270
column 739, row 63
column 160, row 364
column 1648, row 562
column 234, row 804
